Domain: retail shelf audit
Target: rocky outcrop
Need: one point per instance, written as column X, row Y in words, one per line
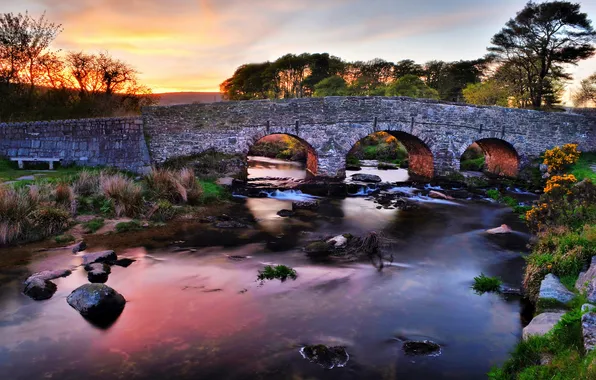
column 99, row 257
column 98, row 303
column 360, row 177
column 421, row 348
column 541, row 324
column 311, row 205
column 586, row 282
column 98, row 272
column 326, row 357
column 39, row 285
column 553, row 294
column 503, row 229
column 589, row 330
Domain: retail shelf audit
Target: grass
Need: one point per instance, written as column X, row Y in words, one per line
column 63, row 239
column 213, row 193
column 133, row 225
column 483, row 284
column 582, row 168
column 9, row 171
column 474, row 165
column 280, row 272
column 93, row 225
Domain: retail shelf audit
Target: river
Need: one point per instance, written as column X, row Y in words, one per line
column 196, row 311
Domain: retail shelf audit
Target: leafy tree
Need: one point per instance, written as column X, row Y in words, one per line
column 489, row 93
column 407, row 67
column 540, row 39
column 412, row 86
column 587, row 92
column 321, row 66
column 332, row 86
column 450, row 78
column 250, row 81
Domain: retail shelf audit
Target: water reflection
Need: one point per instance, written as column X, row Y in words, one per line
column 259, row 167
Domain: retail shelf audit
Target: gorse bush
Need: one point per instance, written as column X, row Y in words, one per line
column 558, row 159
column 126, row 196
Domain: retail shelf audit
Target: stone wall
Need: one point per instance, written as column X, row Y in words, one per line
column 117, row 142
column 332, row 125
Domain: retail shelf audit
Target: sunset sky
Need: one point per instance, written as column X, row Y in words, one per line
column 193, row 45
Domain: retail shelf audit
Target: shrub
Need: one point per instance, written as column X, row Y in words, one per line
column 48, row 221
column 164, row 184
column 93, row 225
column 86, row 184
column 483, row 284
column 133, row 225
column 16, row 207
column 280, row 272
column 557, row 159
column 64, row 197
column 125, row 195
column 162, row 211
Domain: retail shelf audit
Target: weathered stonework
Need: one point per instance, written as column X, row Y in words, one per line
column 117, row 142
column 436, row 134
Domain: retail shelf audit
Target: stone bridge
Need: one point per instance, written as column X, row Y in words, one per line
column 435, row 134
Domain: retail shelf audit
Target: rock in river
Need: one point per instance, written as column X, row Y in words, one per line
column 305, row 205
column 285, row 213
column 326, row 357
column 503, row 229
column 97, row 302
column 78, row 247
column 98, row 272
column 360, row 177
column 99, row 257
column 39, row 287
column 422, row 347
column 437, row 195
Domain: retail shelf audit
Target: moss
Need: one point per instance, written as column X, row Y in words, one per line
column 546, row 304
column 133, row 225
column 63, row 239
column 93, row 225
column 280, row 272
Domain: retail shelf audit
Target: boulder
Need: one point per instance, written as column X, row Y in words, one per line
column 553, row 294
column 319, row 248
column 325, row 356
column 406, row 205
column 98, row 303
column 387, row 166
column 231, row 224
column 338, row 242
column 503, row 229
column 586, row 282
column 305, row 205
column 437, row 195
column 124, row 262
column 422, row 347
column 541, row 324
column 360, row 177
column 39, row 287
column 285, row 213
column 98, row 272
column 99, row 257
column 78, row 247
column 589, row 330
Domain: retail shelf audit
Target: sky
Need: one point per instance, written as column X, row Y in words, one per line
column 194, row 45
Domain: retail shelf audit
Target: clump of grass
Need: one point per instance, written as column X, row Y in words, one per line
column 193, row 188
column 16, row 207
column 483, row 284
column 475, row 164
column 280, row 272
column 86, row 184
column 125, row 195
column 93, row 225
column 63, row 239
column 175, row 186
column 162, row 211
column 213, row 193
column 582, row 169
column 64, row 197
column 133, row 225
column 49, row 221
column 493, row 194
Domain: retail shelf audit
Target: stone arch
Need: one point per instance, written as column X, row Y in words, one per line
column 501, row 157
column 312, row 158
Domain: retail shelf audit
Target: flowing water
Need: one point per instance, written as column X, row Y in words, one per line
column 196, row 311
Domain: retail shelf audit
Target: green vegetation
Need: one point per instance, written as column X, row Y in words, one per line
column 133, row 225
column 474, row 164
column 280, row 272
column 583, row 168
column 63, row 239
column 379, row 146
column 93, row 225
column 284, row 147
column 213, row 193
column 483, row 284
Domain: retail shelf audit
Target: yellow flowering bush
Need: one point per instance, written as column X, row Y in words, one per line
column 559, row 158
column 560, row 182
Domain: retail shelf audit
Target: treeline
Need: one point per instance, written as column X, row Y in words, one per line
column 38, row 83
column 524, row 67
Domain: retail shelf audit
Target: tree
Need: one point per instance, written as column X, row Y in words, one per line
column 542, row 38
column 489, row 93
column 412, row 86
column 332, row 86
column 407, row 67
column 250, row 81
column 586, row 94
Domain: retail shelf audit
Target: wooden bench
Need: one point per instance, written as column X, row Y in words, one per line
column 21, row 161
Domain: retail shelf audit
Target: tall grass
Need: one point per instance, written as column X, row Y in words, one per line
column 174, row 186
column 16, row 207
column 126, row 196
column 87, row 183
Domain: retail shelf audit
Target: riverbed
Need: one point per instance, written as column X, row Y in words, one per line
column 195, row 309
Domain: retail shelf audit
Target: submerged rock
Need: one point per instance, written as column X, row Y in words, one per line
column 98, row 303
column 503, row 229
column 39, row 287
column 437, row 195
column 78, row 247
column 326, row 357
column 541, row 324
column 422, row 347
column 586, row 282
column 553, row 294
column 124, row 262
column 305, row 205
column 319, row 248
column 589, row 330
column 99, row 257
column 360, row 177
column 231, row 224
column 285, row 213
column 98, row 272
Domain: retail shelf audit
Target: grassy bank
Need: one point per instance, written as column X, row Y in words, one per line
column 47, row 205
